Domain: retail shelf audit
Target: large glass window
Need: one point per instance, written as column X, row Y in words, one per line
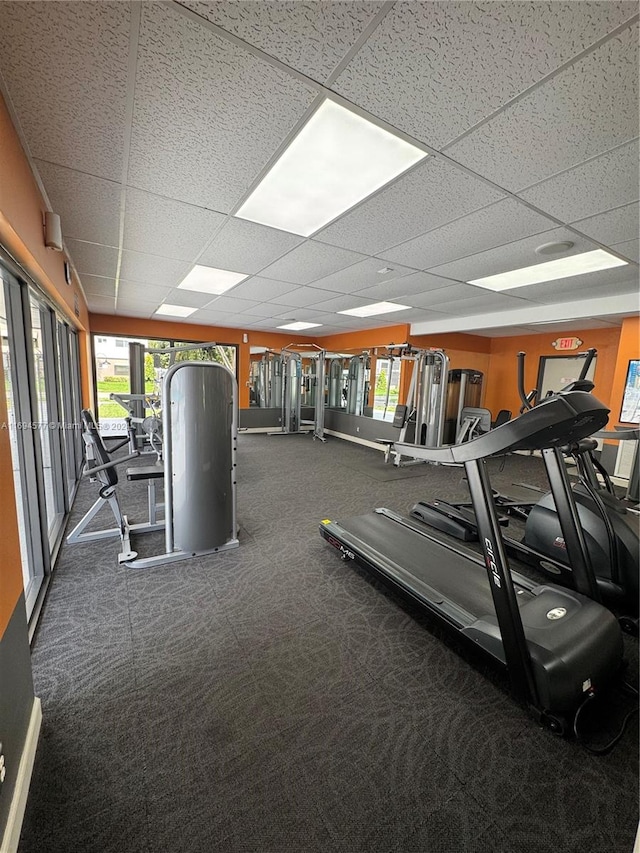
column 152, row 358
column 386, row 388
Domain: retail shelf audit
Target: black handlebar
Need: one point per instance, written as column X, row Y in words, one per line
column 590, row 355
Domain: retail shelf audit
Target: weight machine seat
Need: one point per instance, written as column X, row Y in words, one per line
column 145, row 472
column 566, row 417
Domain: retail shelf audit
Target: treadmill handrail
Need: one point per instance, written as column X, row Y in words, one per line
column 565, row 417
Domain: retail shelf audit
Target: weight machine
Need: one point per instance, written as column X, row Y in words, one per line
column 293, row 382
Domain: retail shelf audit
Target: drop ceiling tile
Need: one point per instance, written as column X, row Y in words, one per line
column 145, row 292
column 483, row 303
column 365, row 273
column 611, row 282
column 207, row 114
column 161, row 226
column 310, row 261
column 73, row 196
column 340, row 303
column 433, row 193
column 300, row 297
column 65, row 65
column 405, row 287
column 244, row 246
column 630, row 249
column 520, row 253
column 145, row 306
column 101, row 304
column 425, row 57
column 306, row 315
column 483, row 229
column 587, row 109
column 230, row 305
column 261, row 289
column 92, row 259
column 208, row 316
column 592, row 187
column 434, row 298
column 614, row 226
column 261, row 309
column 153, row 269
column 311, row 37
column 190, row 298
column 98, row 286
column 418, row 315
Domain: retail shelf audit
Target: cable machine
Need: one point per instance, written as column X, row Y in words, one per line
column 292, row 378
column 358, row 384
column 426, row 402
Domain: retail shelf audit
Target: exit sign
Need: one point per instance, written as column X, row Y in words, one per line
column 566, row 343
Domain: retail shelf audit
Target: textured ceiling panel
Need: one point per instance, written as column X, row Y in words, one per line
column 433, row 193
column 363, row 274
column 101, row 304
column 452, row 293
column 604, row 182
column 492, row 226
column 482, row 303
column 311, row 37
column 630, row 249
column 512, row 256
column 207, row 115
column 333, row 303
column 260, row 288
column 66, row 67
column 421, row 315
column 98, row 286
column 261, row 309
column 610, row 282
column 189, row 298
column 309, row 262
column 153, row 269
column 620, row 224
column 161, row 226
column 418, row 282
column 424, row 57
column 89, row 207
column 212, row 318
column 231, row 305
column 145, row 292
column 92, row 259
column 584, row 111
column 301, row 296
column 247, row 247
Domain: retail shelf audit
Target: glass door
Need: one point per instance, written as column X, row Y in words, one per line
column 15, row 327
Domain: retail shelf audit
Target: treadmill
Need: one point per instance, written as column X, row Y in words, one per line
column 558, row 645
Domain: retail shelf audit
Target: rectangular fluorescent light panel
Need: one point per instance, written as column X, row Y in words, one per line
column 551, row 270
column 298, row 327
column 336, row 160
column 375, row 309
column 175, row 310
column 211, row 280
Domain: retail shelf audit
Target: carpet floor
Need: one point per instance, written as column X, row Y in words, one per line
column 273, row 699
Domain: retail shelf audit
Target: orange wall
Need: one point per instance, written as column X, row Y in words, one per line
column 21, row 229
column 628, row 348
column 501, row 390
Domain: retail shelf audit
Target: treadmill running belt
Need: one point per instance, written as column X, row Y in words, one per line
column 449, row 575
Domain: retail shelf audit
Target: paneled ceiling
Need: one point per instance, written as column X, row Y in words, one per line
column 149, row 123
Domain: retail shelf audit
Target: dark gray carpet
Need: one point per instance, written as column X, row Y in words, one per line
column 273, row 698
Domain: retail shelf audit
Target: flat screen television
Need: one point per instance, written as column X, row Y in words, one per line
column 630, row 412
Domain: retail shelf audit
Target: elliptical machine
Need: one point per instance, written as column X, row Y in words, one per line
column 611, row 532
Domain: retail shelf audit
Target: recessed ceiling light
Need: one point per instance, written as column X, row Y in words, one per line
column 336, row 160
column 374, row 309
column 550, row 270
column 298, row 327
column 175, row 310
column 554, row 248
column 211, row 280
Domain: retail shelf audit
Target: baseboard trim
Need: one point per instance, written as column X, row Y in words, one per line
column 19, row 802
column 355, row 440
